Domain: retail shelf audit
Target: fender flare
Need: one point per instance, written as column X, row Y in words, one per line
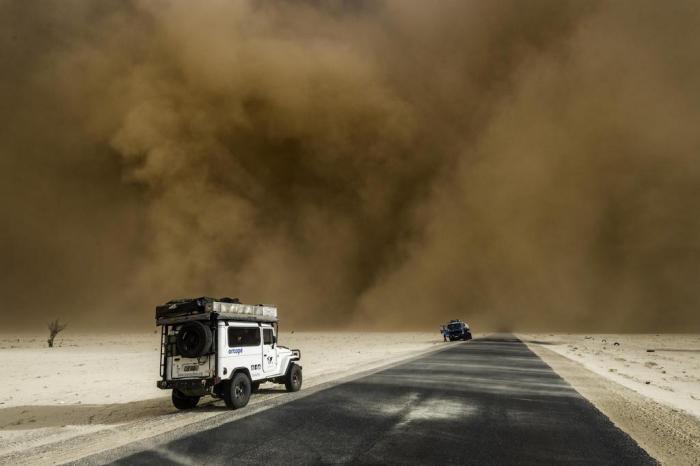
column 291, row 359
column 235, row 371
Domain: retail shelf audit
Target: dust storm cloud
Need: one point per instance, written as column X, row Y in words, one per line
column 391, row 164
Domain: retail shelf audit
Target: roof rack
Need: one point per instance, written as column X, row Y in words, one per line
column 182, row 310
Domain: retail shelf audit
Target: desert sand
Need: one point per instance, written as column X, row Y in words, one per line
column 663, row 367
column 94, row 392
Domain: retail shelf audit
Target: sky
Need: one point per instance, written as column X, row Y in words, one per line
column 386, row 164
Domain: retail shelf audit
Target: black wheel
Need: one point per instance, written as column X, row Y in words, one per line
column 182, row 401
column 292, row 381
column 237, row 391
column 193, row 339
column 254, row 387
column 469, row 336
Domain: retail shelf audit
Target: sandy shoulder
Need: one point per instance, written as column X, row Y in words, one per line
column 668, row 433
column 663, row 367
column 95, row 392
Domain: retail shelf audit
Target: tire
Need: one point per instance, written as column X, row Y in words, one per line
column 254, row 387
column 292, row 382
column 237, row 391
column 193, row 339
column 182, row 401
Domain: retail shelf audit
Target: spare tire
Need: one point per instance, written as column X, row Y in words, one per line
column 193, row 339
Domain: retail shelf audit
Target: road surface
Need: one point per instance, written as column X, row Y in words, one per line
column 488, row 401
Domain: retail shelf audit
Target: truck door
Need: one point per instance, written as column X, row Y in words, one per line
column 269, row 362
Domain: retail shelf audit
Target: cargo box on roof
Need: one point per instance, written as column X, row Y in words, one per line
column 204, row 308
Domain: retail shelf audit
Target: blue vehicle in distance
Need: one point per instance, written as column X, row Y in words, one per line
column 456, row 330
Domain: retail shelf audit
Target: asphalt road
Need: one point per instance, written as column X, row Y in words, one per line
column 488, row 401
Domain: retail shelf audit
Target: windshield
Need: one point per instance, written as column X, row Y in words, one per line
column 455, row 326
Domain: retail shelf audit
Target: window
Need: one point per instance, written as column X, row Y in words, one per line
column 243, row 336
column 267, row 336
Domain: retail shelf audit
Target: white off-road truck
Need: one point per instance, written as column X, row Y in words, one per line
column 222, row 348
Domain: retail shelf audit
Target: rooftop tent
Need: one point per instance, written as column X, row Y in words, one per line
column 262, row 311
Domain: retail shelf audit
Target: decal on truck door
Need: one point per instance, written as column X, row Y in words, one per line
column 269, row 351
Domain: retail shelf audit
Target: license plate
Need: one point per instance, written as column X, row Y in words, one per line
column 190, row 368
